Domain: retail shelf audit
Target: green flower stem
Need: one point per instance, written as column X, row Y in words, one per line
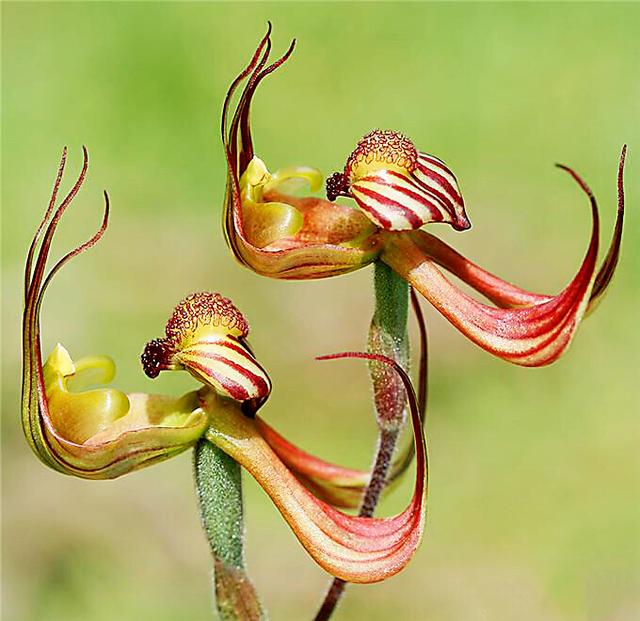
column 392, row 302
column 219, row 487
column 387, row 336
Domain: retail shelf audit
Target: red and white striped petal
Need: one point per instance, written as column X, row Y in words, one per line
column 403, row 201
column 437, row 179
column 226, row 365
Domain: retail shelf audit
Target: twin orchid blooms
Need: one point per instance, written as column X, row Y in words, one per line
column 393, row 191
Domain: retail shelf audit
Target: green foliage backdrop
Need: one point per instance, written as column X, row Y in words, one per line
column 534, row 508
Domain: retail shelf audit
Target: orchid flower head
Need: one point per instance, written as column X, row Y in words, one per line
column 396, row 190
column 94, row 433
column 269, row 229
column 103, row 432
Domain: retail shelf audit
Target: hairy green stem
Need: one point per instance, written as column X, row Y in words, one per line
column 219, row 488
column 387, row 336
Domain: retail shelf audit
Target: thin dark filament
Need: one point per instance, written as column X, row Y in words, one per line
column 32, row 291
column 386, row 446
column 46, row 242
column 233, row 132
column 47, row 214
column 404, row 377
column 246, row 152
column 423, row 382
column 33, row 301
column 605, row 274
column 248, row 69
column 423, row 370
column 593, row 245
column 80, row 249
column 246, row 146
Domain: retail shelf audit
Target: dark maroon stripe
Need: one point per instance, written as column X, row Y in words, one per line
column 257, row 381
column 378, row 216
column 432, row 159
column 446, row 185
column 405, row 211
column 228, row 344
column 437, row 163
column 431, row 205
column 447, row 204
column 238, row 392
column 240, row 349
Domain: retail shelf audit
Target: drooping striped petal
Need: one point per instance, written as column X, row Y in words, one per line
column 337, row 485
column 353, row 548
column 506, row 294
column 402, row 201
column 533, row 335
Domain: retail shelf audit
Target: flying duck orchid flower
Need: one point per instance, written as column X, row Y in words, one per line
column 396, row 189
column 98, row 433
column 103, row 433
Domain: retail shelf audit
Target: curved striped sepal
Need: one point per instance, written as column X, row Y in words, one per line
column 352, row 548
column 267, row 228
column 540, row 328
column 507, row 295
column 400, row 201
column 100, row 433
column 335, row 484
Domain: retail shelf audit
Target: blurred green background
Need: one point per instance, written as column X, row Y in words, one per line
column 535, row 476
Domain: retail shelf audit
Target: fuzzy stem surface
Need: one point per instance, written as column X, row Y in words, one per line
column 219, row 489
column 387, row 336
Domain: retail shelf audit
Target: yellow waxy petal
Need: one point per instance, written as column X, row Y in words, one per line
column 290, row 179
column 266, row 223
column 103, row 433
column 79, row 415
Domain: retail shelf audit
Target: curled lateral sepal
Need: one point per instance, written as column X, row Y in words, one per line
column 507, row 295
column 352, row 548
column 336, row 484
column 531, row 334
column 93, row 433
column 205, row 335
